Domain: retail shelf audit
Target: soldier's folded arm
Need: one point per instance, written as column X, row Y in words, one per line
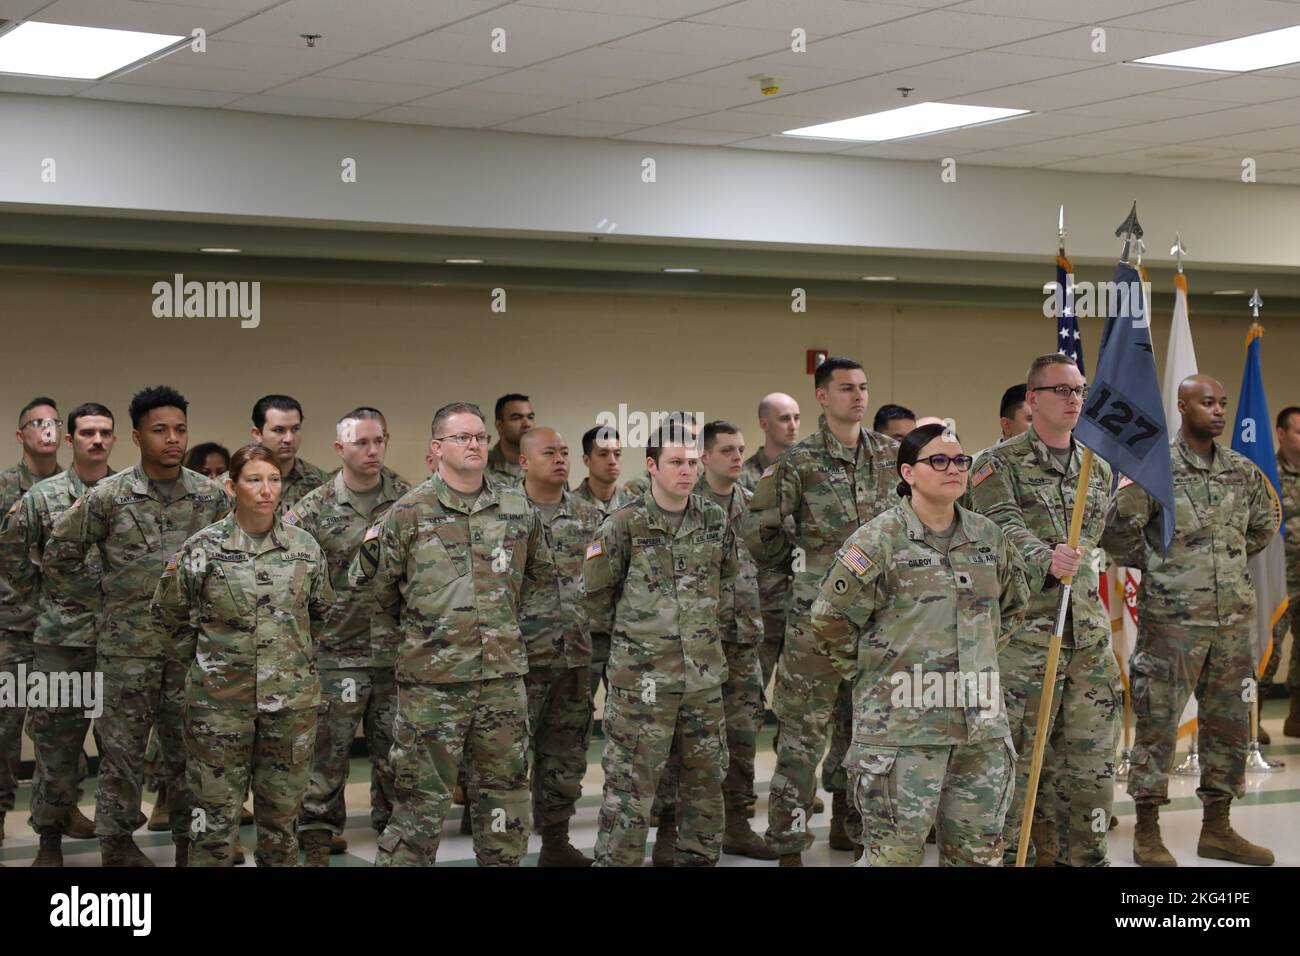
column 603, row 571
column 727, row 591
column 321, row 597
column 1014, row 598
column 849, row 594
column 776, row 497
column 1265, row 514
column 379, row 565
column 1127, row 517
column 170, row 606
column 76, row 595
column 19, row 554
column 539, row 568
column 995, row 497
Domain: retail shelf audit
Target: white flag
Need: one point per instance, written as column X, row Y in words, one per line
column 1180, row 360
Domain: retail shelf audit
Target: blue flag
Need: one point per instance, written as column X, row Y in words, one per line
column 1252, row 438
column 1123, row 419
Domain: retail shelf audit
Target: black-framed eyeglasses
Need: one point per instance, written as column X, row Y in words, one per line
column 1064, row 391
column 464, row 438
column 941, row 462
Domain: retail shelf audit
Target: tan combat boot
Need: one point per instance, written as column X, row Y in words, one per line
column 1291, row 726
column 839, row 837
column 316, row 847
column 557, row 850
column 1219, row 841
column 337, row 845
column 1047, row 846
column 1148, row 848
column 51, row 850
column 121, row 851
column 159, row 818
column 79, row 826
column 739, row 840
column 818, row 806
column 665, row 840
column 791, row 859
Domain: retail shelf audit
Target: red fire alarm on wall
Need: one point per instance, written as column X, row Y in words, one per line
column 815, row 358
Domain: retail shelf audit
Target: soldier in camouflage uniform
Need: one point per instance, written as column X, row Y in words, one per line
column 39, row 433
column 136, row 520
column 742, row 692
column 913, row 612
column 557, row 635
column 245, row 599
column 449, row 563
column 1196, row 622
column 57, row 732
column 277, row 426
column 358, row 685
column 829, row 485
column 514, row 416
column 660, row 580
column 1288, row 471
column 1027, row 485
column 778, row 417
column 602, row 454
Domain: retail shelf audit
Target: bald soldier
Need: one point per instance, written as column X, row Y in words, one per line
column 778, row 418
column 1196, row 616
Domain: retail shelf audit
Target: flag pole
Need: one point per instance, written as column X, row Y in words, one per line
column 1130, row 229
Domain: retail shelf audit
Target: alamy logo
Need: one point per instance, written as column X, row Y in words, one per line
column 72, row 909
column 964, row 689
column 635, row 428
column 69, row 690
column 208, row 300
column 1087, row 300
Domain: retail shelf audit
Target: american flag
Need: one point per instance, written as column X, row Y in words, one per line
column 1068, row 341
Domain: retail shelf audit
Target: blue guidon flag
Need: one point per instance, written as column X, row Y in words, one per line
column 1123, row 418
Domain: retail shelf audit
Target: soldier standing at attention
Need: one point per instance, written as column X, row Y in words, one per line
column 896, row 421
column 557, row 635
column 1014, row 415
column 828, row 485
column 1196, row 618
column 514, row 416
column 358, row 685
column 1288, row 471
column 57, row 732
column 778, row 417
column 39, row 432
column 1027, row 485
column 245, row 599
column 136, row 520
column 913, row 613
column 277, row 426
column 660, row 579
column 449, row 562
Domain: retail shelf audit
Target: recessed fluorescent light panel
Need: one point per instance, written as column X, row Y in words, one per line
column 916, row 120
column 75, row 53
column 1242, row 55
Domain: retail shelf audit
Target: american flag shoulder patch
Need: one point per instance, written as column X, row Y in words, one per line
column 981, row 473
column 768, row 472
column 371, row 533
column 170, row 566
column 291, row 518
column 595, row 549
column 856, row 560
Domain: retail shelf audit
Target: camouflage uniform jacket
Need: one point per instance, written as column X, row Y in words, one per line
column 753, row 469
column 500, row 468
column 135, row 533
column 332, row 515
column 894, row 608
column 618, row 499
column 553, row 616
column 749, row 612
column 255, row 611
column 1289, row 475
column 16, row 612
column 453, row 580
column 1020, row 485
column 1222, row 517
column 664, row 599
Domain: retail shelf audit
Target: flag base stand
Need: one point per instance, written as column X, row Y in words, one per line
column 1191, row 765
column 1256, row 763
column 1122, row 768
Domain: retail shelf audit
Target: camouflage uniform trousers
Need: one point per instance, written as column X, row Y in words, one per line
column 15, row 648
column 58, row 735
column 639, row 734
column 742, row 705
column 962, row 790
column 599, row 658
column 773, row 589
column 1086, row 705
column 1290, row 619
column 1170, row 662
column 351, row 696
column 272, row 751
column 140, row 693
column 808, row 696
column 559, row 715
column 436, row 724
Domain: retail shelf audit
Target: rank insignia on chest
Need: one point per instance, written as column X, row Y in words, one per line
column 856, row 560
column 963, row 579
column 594, row 550
column 981, row 473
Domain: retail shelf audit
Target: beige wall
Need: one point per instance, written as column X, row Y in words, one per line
column 409, row 350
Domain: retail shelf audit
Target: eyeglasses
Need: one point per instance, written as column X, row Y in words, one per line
column 941, row 462
column 464, row 438
column 44, row 423
column 1064, row 391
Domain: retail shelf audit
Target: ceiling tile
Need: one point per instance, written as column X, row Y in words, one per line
column 147, row 17
column 1008, row 157
column 913, row 149
column 1065, row 11
column 167, row 73
column 431, row 116
column 961, row 30
column 615, row 109
column 50, row 87
column 859, row 52
column 1139, row 108
column 551, row 125
column 641, row 65
column 823, row 17
column 18, row 9
column 1287, row 137
column 788, row 144
column 1121, row 44
column 300, row 106
column 676, row 134
column 1250, row 88
column 164, row 96
column 294, row 58
column 1218, row 19
column 1106, row 164
column 514, row 104
column 706, row 38
column 738, row 121
column 542, row 81
column 665, row 9
column 353, row 91
column 349, row 25
column 392, row 69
